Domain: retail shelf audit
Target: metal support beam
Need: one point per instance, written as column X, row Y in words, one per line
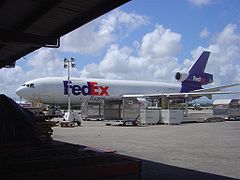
column 42, row 10
column 8, row 37
column 2, row 2
column 7, row 64
column 186, row 107
column 164, row 102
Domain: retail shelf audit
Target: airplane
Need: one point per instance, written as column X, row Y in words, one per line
column 55, row 90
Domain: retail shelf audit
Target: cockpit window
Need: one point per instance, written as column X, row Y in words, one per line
column 31, row 85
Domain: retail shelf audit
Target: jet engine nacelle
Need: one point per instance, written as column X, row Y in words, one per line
column 181, row 76
column 194, row 79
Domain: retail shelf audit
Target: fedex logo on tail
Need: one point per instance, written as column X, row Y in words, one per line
column 199, row 79
column 203, row 79
column 91, row 88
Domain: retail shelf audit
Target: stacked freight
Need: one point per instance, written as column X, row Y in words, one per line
column 45, row 131
column 17, row 124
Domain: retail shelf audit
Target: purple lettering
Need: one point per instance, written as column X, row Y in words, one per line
column 76, row 90
column 65, row 84
column 86, row 89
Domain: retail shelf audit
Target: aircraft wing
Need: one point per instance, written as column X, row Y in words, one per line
column 208, row 92
column 215, row 89
column 178, row 95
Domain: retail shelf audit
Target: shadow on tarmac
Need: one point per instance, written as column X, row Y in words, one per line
column 155, row 171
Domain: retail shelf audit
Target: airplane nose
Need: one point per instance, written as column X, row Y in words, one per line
column 20, row 91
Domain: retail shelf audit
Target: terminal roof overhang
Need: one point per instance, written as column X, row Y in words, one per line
column 26, row 25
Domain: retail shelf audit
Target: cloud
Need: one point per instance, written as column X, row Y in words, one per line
column 204, row 33
column 229, row 36
column 9, row 79
column 224, row 57
column 121, row 20
column 156, row 48
column 101, row 33
column 78, row 43
column 45, row 62
column 42, row 63
column 200, row 2
column 161, row 42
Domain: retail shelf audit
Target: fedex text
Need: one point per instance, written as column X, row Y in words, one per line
column 91, row 88
column 198, row 79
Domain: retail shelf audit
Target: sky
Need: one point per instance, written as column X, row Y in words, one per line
column 146, row 40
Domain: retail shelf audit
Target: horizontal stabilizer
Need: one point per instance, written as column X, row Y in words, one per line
column 217, row 88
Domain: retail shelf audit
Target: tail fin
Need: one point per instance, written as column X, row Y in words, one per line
column 200, row 65
column 196, row 76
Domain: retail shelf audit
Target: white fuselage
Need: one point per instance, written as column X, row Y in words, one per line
column 54, row 90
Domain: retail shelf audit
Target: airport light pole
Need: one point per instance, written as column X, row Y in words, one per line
column 69, row 63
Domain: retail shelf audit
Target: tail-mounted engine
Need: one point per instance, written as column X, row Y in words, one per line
column 199, row 79
column 181, row 76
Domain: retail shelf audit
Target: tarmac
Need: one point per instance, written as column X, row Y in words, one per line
column 185, row 151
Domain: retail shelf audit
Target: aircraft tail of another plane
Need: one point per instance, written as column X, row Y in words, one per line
column 196, row 76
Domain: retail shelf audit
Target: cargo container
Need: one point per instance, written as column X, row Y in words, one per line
column 92, row 111
column 227, row 108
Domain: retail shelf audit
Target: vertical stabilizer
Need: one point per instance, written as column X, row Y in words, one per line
column 196, row 76
column 200, row 65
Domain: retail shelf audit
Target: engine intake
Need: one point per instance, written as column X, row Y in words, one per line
column 181, row 76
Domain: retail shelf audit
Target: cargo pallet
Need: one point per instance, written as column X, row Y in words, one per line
column 67, row 124
column 63, row 160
